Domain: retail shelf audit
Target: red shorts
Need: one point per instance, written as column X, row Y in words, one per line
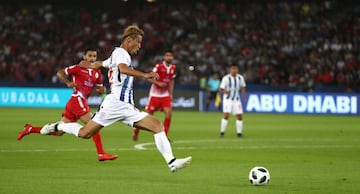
column 75, row 108
column 158, row 103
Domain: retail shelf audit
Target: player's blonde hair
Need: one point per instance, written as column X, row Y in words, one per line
column 132, row 31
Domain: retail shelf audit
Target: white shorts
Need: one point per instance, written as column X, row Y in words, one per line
column 232, row 106
column 112, row 110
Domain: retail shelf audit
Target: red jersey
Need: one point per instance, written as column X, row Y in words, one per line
column 85, row 80
column 166, row 74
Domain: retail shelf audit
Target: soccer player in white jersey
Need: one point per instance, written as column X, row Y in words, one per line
column 230, row 86
column 119, row 104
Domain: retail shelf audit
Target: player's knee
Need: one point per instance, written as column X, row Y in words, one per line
column 84, row 134
column 168, row 115
column 158, row 127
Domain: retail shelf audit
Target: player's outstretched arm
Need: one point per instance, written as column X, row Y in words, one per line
column 154, row 81
column 100, row 89
column 132, row 72
column 88, row 65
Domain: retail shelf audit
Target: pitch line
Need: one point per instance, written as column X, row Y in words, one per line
column 151, row 145
column 144, row 146
column 63, row 150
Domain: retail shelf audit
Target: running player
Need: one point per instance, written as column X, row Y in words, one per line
column 119, row 104
column 83, row 81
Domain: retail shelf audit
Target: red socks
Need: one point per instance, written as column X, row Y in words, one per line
column 98, row 143
column 35, row 129
column 167, row 125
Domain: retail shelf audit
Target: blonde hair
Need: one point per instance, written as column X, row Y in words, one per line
column 132, row 31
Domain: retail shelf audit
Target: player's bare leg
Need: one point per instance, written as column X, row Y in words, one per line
column 74, row 128
column 136, row 131
column 91, row 129
column 102, row 155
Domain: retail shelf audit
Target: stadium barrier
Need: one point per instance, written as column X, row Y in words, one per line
column 303, row 103
column 194, row 100
column 34, row 97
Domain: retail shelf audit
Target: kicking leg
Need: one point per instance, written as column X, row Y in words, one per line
column 150, row 123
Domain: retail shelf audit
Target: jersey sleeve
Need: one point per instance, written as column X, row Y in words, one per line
column 174, row 70
column 120, row 57
column 243, row 83
column 71, row 70
column 107, row 62
column 223, row 83
column 156, row 68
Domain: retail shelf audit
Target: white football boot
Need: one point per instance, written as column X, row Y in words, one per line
column 179, row 163
column 50, row 127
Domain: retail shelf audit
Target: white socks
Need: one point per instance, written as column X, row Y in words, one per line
column 72, row 128
column 239, row 126
column 163, row 145
column 224, row 123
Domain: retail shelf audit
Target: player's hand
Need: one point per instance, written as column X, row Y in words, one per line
column 84, row 64
column 100, row 90
column 151, row 75
column 161, row 84
column 71, row 85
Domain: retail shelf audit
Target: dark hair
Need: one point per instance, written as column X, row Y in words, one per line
column 167, row 51
column 89, row 49
column 234, row 65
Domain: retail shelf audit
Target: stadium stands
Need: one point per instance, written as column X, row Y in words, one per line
column 303, row 44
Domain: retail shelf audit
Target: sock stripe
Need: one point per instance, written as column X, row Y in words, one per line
column 171, row 161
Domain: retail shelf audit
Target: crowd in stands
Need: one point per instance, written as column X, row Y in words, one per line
column 278, row 43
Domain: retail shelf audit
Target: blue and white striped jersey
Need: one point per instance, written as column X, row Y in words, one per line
column 120, row 84
column 233, row 85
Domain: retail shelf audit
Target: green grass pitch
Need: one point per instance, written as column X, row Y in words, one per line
column 304, row 154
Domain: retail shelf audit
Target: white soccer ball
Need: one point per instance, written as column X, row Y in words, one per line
column 191, row 68
column 259, row 175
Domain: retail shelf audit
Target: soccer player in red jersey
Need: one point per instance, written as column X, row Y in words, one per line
column 161, row 91
column 83, row 82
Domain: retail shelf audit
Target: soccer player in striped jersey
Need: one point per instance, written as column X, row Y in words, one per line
column 230, row 86
column 83, row 82
column 161, row 91
column 119, row 104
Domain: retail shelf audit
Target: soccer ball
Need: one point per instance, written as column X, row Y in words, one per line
column 259, row 175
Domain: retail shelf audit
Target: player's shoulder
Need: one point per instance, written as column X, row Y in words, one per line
column 227, row 75
column 159, row 64
column 240, row 76
column 74, row 67
column 120, row 51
